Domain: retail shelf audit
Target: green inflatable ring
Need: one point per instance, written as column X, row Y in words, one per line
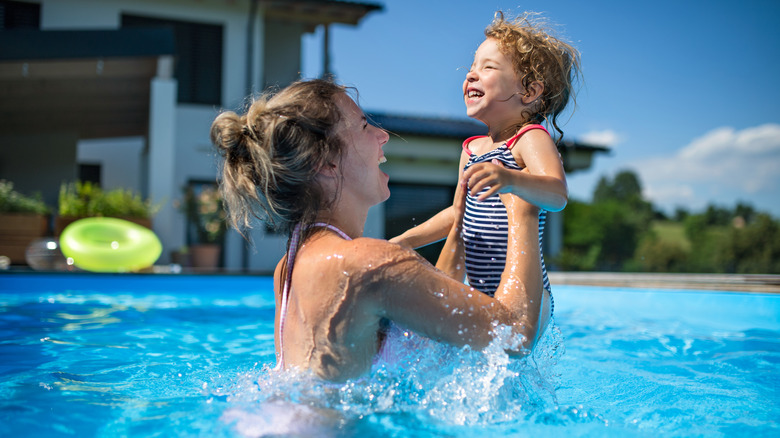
column 106, row 244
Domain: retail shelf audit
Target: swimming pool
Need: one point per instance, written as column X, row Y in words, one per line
column 180, row 355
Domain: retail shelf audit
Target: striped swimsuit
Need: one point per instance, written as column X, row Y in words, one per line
column 485, row 225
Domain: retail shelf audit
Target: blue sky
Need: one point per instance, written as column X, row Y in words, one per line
column 685, row 93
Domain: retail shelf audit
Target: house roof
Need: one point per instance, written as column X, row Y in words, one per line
column 316, row 12
column 29, row 44
column 451, row 128
column 427, row 126
column 575, row 155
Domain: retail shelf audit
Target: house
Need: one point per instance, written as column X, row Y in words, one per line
column 123, row 92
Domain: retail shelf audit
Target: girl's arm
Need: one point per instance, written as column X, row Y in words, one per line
column 542, row 182
column 434, row 229
column 416, row 295
column 430, row 231
column 452, row 260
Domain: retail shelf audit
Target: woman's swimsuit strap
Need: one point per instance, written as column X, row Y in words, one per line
column 295, row 240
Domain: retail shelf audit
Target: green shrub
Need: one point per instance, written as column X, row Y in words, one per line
column 12, row 201
column 84, row 199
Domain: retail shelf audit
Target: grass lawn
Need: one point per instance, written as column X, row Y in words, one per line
column 672, row 232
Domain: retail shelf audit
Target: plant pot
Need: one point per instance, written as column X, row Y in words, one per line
column 60, row 222
column 18, row 231
column 205, row 256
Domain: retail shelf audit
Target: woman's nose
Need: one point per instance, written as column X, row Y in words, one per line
column 383, row 136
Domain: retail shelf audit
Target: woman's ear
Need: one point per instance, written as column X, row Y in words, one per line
column 533, row 91
column 329, row 170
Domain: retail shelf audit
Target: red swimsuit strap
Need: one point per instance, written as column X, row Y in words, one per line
column 523, row 130
column 509, row 143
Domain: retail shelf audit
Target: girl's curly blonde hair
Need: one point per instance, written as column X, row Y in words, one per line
column 538, row 55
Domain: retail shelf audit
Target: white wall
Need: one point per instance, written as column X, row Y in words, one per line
column 119, row 159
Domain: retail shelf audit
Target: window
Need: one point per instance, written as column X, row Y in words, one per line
column 19, row 15
column 90, row 173
column 410, row 205
column 198, row 67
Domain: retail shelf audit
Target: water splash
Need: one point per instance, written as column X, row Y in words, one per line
column 417, row 380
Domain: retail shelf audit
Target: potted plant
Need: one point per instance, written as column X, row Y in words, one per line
column 205, row 223
column 22, row 220
column 84, row 199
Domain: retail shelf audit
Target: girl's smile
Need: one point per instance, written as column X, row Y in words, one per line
column 491, row 90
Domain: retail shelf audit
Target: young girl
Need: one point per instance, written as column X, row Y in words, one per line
column 521, row 76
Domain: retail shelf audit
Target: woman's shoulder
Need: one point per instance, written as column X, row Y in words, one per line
column 375, row 258
column 369, row 249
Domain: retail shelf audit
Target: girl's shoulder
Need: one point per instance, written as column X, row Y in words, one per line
column 477, row 145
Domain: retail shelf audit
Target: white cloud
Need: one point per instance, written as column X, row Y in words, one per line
column 720, row 167
column 607, row 137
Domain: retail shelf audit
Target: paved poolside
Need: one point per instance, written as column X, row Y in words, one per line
column 730, row 282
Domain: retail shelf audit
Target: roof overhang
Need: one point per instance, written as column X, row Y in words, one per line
column 314, row 12
column 95, row 83
column 575, row 155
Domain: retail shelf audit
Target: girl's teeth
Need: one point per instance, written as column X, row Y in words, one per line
column 382, row 160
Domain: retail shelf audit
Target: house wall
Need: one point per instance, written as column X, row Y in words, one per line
column 119, row 159
column 124, row 161
column 177, row 148
column 40, row 168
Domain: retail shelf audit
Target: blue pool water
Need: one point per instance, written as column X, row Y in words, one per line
column 156, row 355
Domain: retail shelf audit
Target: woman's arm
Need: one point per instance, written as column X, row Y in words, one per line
column 414, row 294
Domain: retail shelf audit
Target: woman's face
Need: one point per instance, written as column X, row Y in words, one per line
column 359, row 166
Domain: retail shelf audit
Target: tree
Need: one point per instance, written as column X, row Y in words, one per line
column 752, row 249
column 604, row 235
column 656, row 255
column 625, row 187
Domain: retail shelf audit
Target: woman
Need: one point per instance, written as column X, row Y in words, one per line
column 307, row 161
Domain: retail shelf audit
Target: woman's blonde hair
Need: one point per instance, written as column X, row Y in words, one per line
column 538, row 55
column 272, row 154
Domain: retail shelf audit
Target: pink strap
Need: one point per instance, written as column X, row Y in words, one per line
column 523, row 130
column 469, row 140
column 509, row 143
column 291, row 253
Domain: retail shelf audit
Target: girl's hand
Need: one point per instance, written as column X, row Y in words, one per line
column 493, row 175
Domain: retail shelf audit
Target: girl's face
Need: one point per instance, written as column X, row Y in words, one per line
column 492, row 90
column 363, row 154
